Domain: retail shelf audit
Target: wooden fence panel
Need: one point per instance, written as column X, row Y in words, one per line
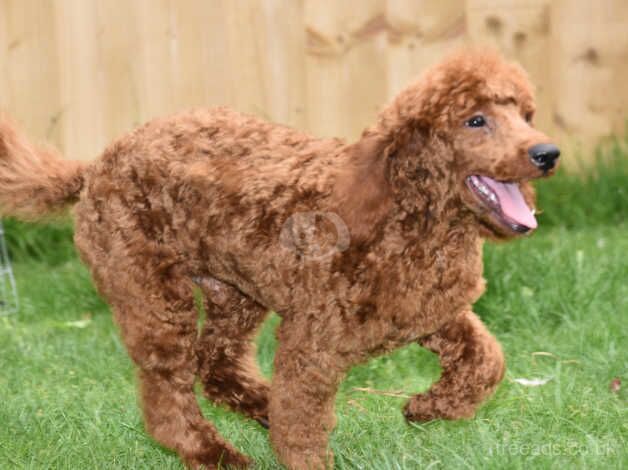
column 79, row 73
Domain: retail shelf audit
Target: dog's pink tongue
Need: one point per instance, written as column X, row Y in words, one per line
column 512, row 203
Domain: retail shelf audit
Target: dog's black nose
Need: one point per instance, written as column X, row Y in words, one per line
column 544, row 156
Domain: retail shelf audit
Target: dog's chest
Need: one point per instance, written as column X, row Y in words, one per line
column 428, row 289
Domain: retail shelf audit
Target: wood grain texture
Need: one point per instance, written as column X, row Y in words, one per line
column 346, row 65
column 420, row 33
column 30, row 66
column 589, row 54
column 78, row 73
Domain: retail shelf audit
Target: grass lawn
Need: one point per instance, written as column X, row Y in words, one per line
column 557, row 301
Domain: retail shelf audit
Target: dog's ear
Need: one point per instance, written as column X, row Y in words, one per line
column 365, row 189
column 362, row 191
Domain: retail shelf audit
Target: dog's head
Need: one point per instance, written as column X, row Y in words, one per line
column 497, row 151
column 466, row 129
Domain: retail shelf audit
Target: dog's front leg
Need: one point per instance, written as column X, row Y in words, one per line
column 301, row 408
column 473, row 365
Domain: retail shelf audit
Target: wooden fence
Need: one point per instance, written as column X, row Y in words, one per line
column 80, row 72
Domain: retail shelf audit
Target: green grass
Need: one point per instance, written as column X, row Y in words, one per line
column 67, row 388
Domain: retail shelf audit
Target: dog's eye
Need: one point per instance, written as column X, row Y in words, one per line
column 476, row 121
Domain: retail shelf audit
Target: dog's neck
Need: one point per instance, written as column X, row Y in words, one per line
column 426, row 207
column 421, row 231
column 422, row 179
column 411, row 184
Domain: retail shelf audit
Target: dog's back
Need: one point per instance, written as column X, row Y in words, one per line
column 213, row 186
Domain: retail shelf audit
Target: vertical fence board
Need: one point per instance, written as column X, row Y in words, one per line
column 80, row 78
column 589, row 69
column 191, row 71
column 265, row 41
column 155, row 57
column 117, row 40
column 421, row 32
column 283, row 51
column 29, row 67
column 346, row 65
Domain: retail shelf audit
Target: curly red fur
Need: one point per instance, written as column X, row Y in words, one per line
column 34, row 181
column 360, row 248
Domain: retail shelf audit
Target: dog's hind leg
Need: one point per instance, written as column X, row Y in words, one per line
column 226, row 350
column 473, row 365
column 158, row 323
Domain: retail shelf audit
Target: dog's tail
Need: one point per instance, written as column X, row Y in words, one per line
column 34, row 182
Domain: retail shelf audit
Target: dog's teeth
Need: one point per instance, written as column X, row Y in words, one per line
column 483, row 189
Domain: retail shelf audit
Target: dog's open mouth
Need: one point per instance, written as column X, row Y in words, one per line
column 504, row 202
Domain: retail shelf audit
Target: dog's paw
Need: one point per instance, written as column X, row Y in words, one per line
column 426, row 407
column 417, row 411
column 213, row 460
